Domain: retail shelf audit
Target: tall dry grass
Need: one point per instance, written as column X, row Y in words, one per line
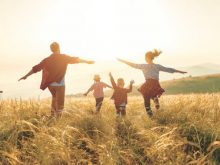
column 184, row 131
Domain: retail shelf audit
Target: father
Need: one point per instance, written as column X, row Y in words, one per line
column 53, row 76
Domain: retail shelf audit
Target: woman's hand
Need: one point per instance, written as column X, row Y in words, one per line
column 182, row 72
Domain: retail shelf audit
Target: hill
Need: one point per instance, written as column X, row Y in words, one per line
column 200, row 84
column 203, row 69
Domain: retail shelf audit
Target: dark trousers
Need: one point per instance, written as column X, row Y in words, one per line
column 99, row 103
column 148, row 106
column 120, row 110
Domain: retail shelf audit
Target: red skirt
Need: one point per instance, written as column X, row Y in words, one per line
column 151, row 88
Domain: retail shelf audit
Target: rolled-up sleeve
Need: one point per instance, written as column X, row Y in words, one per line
column 71, row 60
column 37, row 67
column 165, row 69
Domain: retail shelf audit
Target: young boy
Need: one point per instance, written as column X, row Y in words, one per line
column 120, row 95
column 98, row 93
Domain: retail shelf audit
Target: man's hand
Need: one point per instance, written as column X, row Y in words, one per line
column 90, row 62
column 23, row 78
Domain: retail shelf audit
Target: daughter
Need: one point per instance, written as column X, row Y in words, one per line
column 151, row 89
column 98, row 93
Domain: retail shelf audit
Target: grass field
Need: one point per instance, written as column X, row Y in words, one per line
column 184, row 131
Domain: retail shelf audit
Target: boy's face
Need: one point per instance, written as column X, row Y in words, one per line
column 121, row 82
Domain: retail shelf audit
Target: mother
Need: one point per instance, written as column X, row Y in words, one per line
column 53, row 76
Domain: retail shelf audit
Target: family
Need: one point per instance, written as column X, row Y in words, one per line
column 53, row 77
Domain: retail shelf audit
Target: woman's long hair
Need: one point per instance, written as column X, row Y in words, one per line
column 153, row 54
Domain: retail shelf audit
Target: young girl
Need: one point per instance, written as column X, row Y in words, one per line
column 151, row 89
column 120, row 95
column 98, row 93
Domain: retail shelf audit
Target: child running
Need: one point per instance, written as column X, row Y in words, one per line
column 120, row 95
column 151, row 89
column 97, row 88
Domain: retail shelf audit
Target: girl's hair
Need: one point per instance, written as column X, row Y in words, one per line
column 153, row 54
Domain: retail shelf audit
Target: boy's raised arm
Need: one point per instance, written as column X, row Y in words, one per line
column 112, row 80
column 130, row 86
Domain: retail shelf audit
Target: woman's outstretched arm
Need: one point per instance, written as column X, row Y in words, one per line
column 179, row 71
column 169, row 70
column 137, row 66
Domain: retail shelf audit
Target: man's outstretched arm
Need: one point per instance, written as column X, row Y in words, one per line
column 74, row 60
column 85, row 61
column 27, row 75
column 35, row 69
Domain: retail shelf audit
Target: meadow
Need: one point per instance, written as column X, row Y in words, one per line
column 184, row 131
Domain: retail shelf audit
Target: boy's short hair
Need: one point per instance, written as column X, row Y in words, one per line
column 54, row 47
column 120, row 81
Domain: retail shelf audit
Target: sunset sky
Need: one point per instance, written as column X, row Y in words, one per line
column 187, row 31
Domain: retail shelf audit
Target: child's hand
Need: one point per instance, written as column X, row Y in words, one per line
column 110, row 74
column 132, row 82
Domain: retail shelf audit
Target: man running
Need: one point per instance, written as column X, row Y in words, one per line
column 53, row 76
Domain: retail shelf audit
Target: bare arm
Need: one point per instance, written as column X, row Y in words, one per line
column 74, row 60
column 85, row 61
column 27, row 75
